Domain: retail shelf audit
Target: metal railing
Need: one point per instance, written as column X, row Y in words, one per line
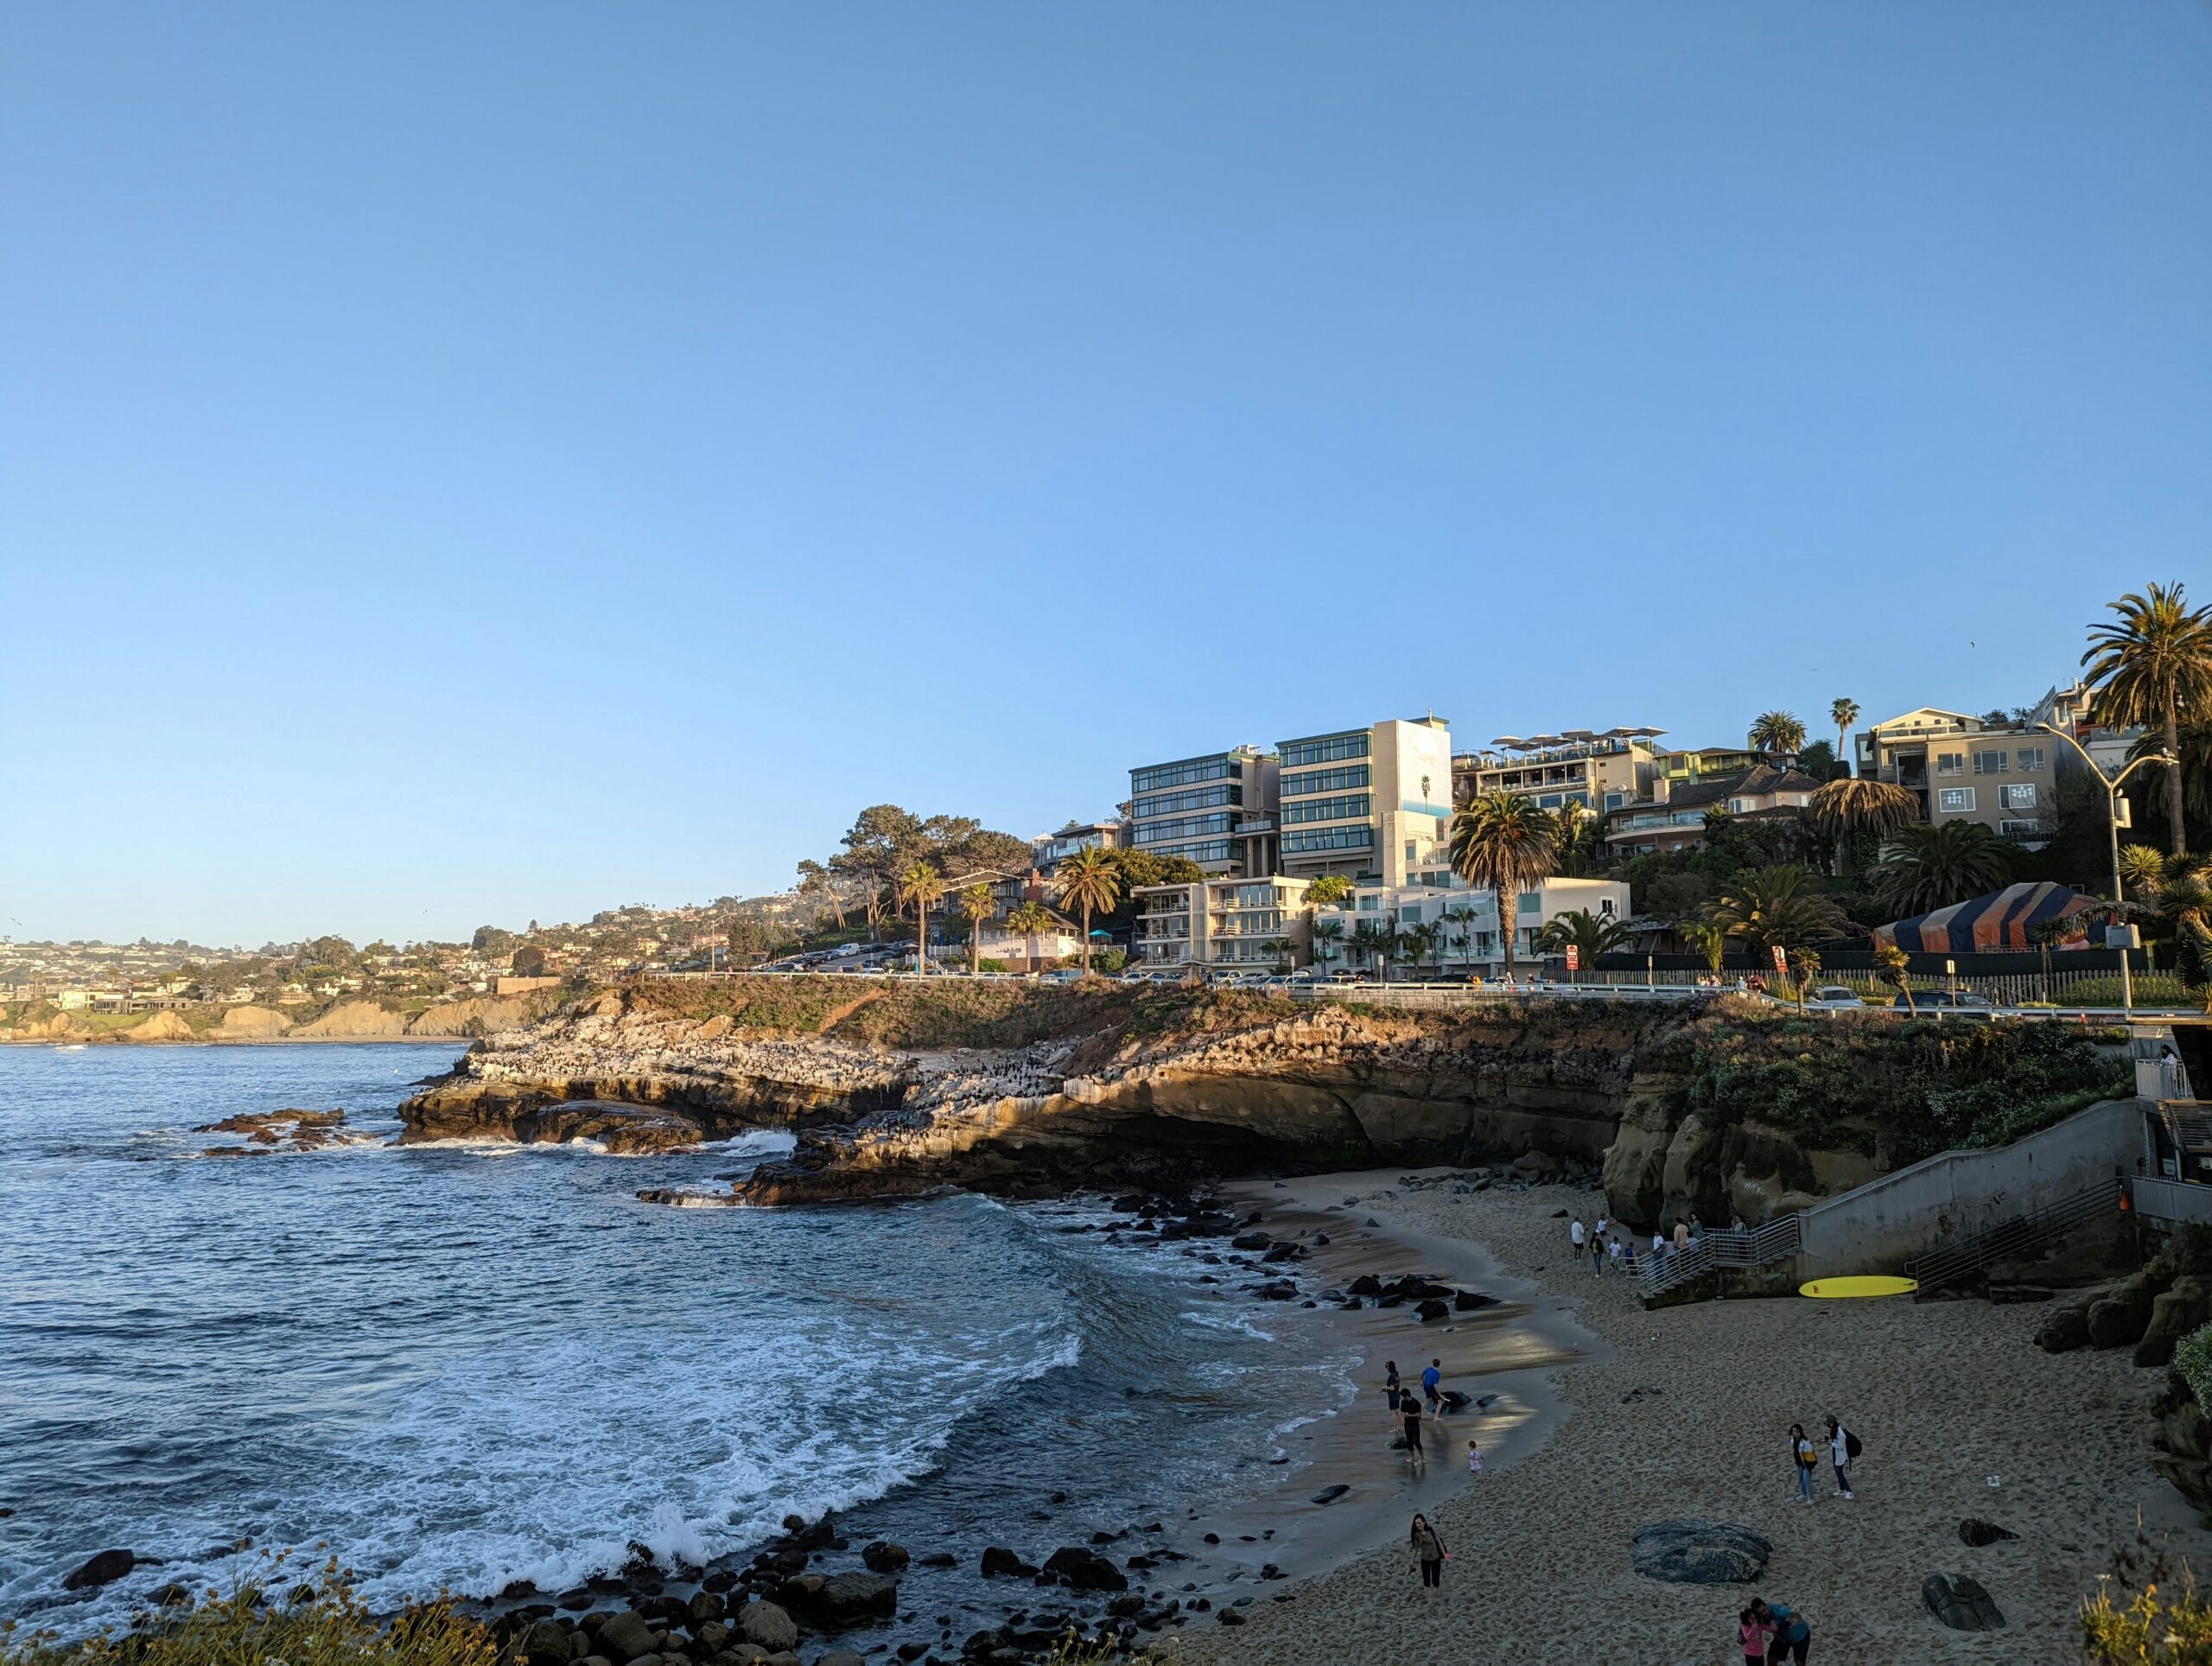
column 1759, row 1246
column 2006, row 1239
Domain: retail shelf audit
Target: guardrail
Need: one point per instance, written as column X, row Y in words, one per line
column 2012, row 1237
column 1761, row 1246
column 2171, row 1202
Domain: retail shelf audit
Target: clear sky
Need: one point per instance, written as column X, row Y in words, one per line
column 471, row 463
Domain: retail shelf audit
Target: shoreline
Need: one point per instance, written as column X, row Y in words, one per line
column 118, row 1040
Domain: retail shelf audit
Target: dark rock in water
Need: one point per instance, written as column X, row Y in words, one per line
column 1250, row 1240
column 1416, row 1289
column 1213, row 1538
column 794, row 1524
column 1280, row 1290
column 169, row 1596
column 1468, row 1301
column 1329, row 1495
column 839, row 1657
column 103, row 1569
column 1976, row 1532
column 1433, row 1308
column 766, row 1625
column 1084, row 1570
column 1285, row 1252
column 628, row 1635
column 1365, row 1285
column 1231, row 1616
column 1321, row 1238
column 1960, row 1602
column 1132, row 1204
column 939, row 1559
column 703, row 1607
column 998, row 1560
column 1699, row 1553
column 1455, row 1401
column 516, row 1590
column 545, row 1643
column 884, row 1557
column 641, row 1561
column 305, row 1592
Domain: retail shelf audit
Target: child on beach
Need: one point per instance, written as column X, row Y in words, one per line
column 1753, row 1634
column 1613, row 1247
column 1474, row 1458
column 1431, row 1387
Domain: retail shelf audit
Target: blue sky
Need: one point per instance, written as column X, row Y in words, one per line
column 462, row 464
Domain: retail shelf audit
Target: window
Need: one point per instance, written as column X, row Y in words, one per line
column 1738, row 806
column 1200, row 798
column 1615, row 800
column 1549, row 801
column 1328, row 838
column 1328, row 781
column 2019, row 798
column 2021, row 830
column 1328, row 810
column 1992, row 763
column 1189, row 826
column 1371, row 905
column 2032, row 759
column 1410, row 848
column 1327, row 750
column 1530, row 902
column 1182, row 774
column 1410, row 914
column 1950, row 763
column 1955, row 799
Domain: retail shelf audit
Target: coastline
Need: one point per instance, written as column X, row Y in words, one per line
column 1683, row 1413
column 119, row 1040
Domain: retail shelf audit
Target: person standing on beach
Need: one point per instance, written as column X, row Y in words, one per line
column 1410, row 1406
column 1802, row 1454
column 1658, row 1244
column 1753, row 1634
column 1598, row 1257
column 1792, row 1636
column 1613, row 1252
column 1474, row 1458
column 1681, row 1233
column 1576, row 1234
column 1391, row 1391
column 1839, row 1439
column 1431, row 1387
column 1429, row 1553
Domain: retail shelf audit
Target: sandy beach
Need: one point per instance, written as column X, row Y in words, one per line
column 1961, row 1416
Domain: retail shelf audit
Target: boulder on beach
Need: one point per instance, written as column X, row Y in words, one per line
column 103, row 1569
column 1433, row 1308
column 1977, row 1532
column 1961, row 1603
column 1688, row 1552
column 850, row 1599
column 885, row 1557
column 629, row 1636
column 1084, row 1570
column 766, row 1625
column 998, row 1560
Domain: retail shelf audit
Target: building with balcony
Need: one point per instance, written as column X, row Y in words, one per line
column 1965, row 768
column 1600, row 772
column 1673, row 819
column 2067, row 710
column 1363, row 801
column 1216, row 810
column 1054, row 848
column 1214, row 924
column 1465, row 918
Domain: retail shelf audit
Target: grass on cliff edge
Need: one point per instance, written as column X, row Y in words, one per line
column 321, row 1623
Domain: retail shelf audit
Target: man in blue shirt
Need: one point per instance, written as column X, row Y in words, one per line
column 1792, row 1636
column 1432, row 1386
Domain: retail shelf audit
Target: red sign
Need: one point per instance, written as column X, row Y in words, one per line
column 1574, row 958
column 1781, row 959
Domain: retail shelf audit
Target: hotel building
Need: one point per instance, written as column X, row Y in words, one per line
column 1222, row 923
column 1364, row 801
column 1217, row 810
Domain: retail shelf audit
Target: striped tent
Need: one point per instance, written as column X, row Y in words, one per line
column 1992, row 924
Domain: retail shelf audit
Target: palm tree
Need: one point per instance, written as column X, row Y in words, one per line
column 1578, row 837
column 1030, row 919
column 1089, row 882
column 1462, row 916
column 1709, row 937
column 1924, row 867
column 1772, row 908
column 2154, row 666
column 1846, row 807
column 1280, row 948
column 1843, row 714
column 1588, row 934
column 1891, row 965
column 2046, row 934
column 1372, row 940
column 1327, row 933
column 1805, row 965
column 1502, row 842
column 2176, row 888
column 979, row 902
column 921, row 886
column 1405, row 945
column 1778, row 734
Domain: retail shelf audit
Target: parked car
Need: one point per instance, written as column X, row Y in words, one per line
column 1936, row 1003
column 1834, row 998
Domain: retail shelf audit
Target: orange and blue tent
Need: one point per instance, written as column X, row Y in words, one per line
column 1992, row 924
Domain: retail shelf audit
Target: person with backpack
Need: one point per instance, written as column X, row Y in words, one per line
column 1843, row 1446
column 1803, row 1454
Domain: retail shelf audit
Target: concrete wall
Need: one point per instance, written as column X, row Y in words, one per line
column 1955, row 1193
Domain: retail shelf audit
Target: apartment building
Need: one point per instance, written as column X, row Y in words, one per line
column 1217, row 810
column 1965, row 768
column 1674, row 819
column 1435, row 896
column 1050, row 851
column 1364, row 801
column 1599, row 772
column 2067, row 710
column 1234, row 923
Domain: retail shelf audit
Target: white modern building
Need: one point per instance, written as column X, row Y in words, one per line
column 1362, row 802
column 1466, row 918
column 1222, row 923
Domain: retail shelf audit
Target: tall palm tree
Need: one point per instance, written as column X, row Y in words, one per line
column 1502, row 842
column 1031, row 919
column 1407, row 945
column 1327, row 933
column 2176, row 888
column 1847, row 806
column 2154, row 665
column 1843, row 714
column 1372, row 940
column 1891, row 965
column 1709, row 937
column 1462, row 916
column 919, row 887
column 1280, row 949
column 2047, row 934
column 1777, row 734
column 1772, row 908
column 979, row 902
column 1089, row 882
column 1927, row 866
column 1578, row 837
column 1588, row 934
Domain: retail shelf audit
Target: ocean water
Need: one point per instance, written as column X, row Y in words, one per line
column 462, row 1364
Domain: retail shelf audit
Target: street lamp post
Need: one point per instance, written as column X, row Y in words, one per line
column 2111, row 784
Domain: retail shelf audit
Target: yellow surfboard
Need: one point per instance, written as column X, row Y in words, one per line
column 1864, row 1284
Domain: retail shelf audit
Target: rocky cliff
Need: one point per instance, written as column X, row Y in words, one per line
column 1121, row 1087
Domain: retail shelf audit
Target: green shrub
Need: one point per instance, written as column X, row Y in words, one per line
column 2177, row 1631
column 990, row 963
column 328, row 1625
column 2193, row 1359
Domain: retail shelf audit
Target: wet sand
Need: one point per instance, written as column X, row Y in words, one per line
column 1684, row 1413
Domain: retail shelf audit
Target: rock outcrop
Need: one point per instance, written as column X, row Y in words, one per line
column 355, row 1021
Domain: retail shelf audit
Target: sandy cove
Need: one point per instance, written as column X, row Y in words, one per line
column 1944, row 1393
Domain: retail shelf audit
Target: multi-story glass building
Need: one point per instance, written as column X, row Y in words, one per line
column 1364, row 801
column 1216, row 810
